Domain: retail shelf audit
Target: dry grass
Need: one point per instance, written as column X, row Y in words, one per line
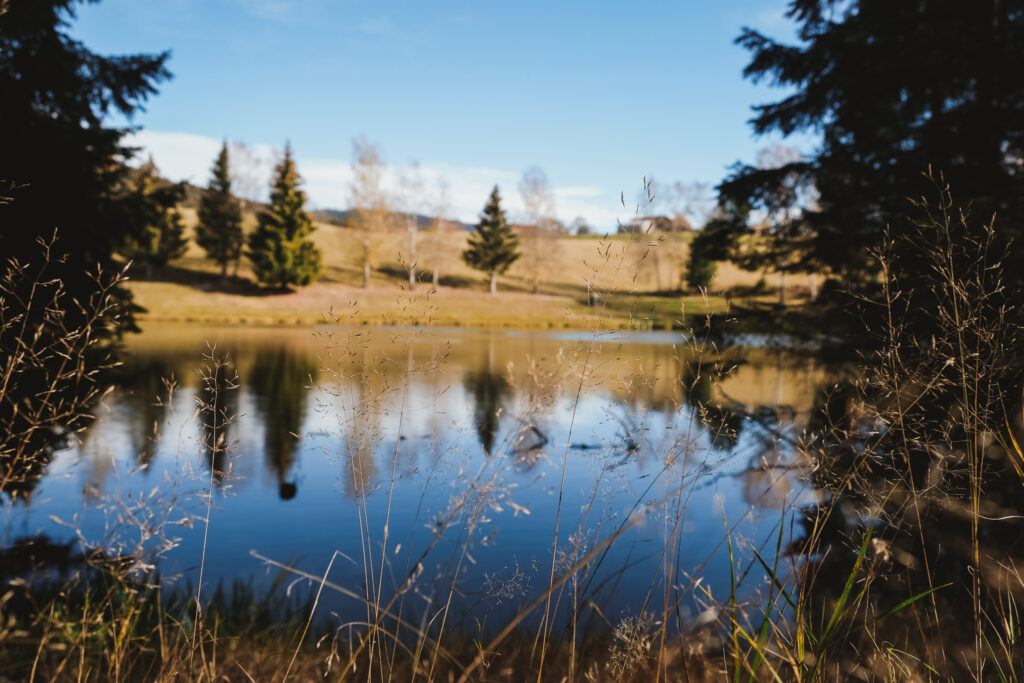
column 905, row 570
column 190, row 290
column 575, row 256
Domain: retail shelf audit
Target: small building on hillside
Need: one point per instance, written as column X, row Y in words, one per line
column 648, row 224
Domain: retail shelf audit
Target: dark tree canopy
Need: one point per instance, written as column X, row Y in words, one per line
column 150, row 207
column 61, row 165
column 493, row 247
column 279, row 248
column 219, row 230
column 893, row 88
column 721, row 239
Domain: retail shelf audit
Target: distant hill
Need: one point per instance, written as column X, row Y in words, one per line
column 194, row 193
column 342, row 217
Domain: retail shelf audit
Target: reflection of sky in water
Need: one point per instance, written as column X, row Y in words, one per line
column 296, row 499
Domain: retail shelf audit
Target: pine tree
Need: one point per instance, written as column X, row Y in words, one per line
column 280, row 252
column 219, row 231
column 157, row 231
column 893, row 88
column 62, row 155
column 700, row 270
column 493, row 247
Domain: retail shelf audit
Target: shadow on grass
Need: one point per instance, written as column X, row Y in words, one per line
column 206, row 282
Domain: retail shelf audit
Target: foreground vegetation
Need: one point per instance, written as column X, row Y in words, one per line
column 906, row 568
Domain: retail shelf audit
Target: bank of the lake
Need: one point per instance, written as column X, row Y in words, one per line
column 209, row 301
column 620, row 281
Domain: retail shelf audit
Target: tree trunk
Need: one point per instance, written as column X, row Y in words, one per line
column 412, row 257
column 812, row 282
column 657, row 268
column 223, row 270
column 494, row 282
column 437, row 275
column 367, row 256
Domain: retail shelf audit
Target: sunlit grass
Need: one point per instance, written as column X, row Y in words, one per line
column 191, row 290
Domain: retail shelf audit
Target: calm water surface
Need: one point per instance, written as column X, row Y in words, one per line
column 460, row 451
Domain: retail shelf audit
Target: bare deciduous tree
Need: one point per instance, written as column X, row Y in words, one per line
column 250, row 172
column 370, row 204
column 692, row 201
column 540, row 253
column 441, row 225
column 250, row 175
column 648, row 201
column 411, row 202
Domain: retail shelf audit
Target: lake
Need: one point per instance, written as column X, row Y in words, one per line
column 441, row 467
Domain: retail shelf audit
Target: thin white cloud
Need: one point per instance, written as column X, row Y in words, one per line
column 770, row 20
column 578, row 192
column 177, row 155
column 186, row 156
column 291, row 12
column 377, row 26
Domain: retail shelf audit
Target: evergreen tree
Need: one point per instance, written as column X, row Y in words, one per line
column 60, row 164
column 280, row 252
column 219, row 231
column 700, row 270
column 493, row 247
column 158, row 233
column 721, row 239
column 894, row 88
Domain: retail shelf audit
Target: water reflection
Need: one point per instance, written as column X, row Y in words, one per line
column 391, row 426
column 279, row 381
column 362, row 433
column 490, row 392
column 217, row 401
column 48, row 396
column 725, row 422
column 152, row 385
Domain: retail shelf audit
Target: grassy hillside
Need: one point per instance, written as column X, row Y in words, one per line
column 638, row 279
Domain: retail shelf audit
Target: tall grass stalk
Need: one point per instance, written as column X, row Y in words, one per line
column 868, row 581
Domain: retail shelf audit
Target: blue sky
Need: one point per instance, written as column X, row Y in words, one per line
column 598, row 94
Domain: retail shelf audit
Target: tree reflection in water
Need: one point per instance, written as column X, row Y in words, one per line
column 278, row 382
column 217, row 402
column 490, row 392
column 151, row 385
